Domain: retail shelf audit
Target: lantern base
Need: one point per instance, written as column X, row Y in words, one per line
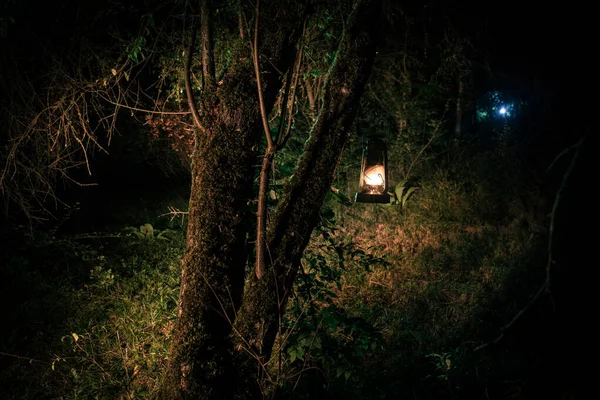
column 372, row 198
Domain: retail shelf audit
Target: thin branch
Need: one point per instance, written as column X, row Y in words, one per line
column 148, row 111
column 261, row 225
column 174, row 212
column 311, row 99
column 20, row 357
column 418, row 156
column 188, row 85
column 284, row 108
column 263, row 112
column 288, row 100
column 241, row 24
column 208, row 57
column 547, row 283
column 562, row 153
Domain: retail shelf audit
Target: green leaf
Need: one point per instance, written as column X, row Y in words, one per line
column 341, row 197
column 399, row 190
column 407, row 195
column 331, row 321
column 147, row 230
column 328, row 214
column 317, row 343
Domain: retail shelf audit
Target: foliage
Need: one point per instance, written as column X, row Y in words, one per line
column 318, row 333
column 385, row 302
column 402, row 192
column 108, row 334
column 147, row 232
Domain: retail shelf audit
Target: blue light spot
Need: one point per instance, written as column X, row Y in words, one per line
column 503, row 111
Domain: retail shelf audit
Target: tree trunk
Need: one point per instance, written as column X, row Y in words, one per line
column 220, row 222
column 213, row 264
column 297, row 215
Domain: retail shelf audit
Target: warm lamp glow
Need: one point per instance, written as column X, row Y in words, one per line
column 373, row 178
column 374, row 175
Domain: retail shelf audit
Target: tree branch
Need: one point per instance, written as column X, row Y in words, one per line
column 148, row 111
column 298, row 211
column 208, row 56
column 188, row 85
column 263, row 112
column 282, row 137
column 547, row 282
column 261, row 225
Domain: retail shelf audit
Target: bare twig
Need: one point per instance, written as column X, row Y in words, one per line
column 562, row 153
column 148, row 111
column 413, row 162
column 174, row 212
column 546, row 286
column 188, row 85
column 20, row 357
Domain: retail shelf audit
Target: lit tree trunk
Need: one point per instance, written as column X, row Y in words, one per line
column 297, row 214
column 223, row 166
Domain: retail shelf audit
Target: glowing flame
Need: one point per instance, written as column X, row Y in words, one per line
column 374, row 176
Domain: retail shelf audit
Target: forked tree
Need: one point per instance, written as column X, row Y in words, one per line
column 230, row 309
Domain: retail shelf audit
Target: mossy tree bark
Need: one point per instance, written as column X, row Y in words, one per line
column 297, row 214
column 223, row 168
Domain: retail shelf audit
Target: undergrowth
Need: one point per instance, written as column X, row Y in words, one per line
column 390, row 302
column 104, row 334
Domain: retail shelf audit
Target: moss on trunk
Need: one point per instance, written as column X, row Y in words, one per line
column 213, row 264
column 223, row 169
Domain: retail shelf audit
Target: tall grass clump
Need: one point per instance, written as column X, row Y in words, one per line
column 100, row 331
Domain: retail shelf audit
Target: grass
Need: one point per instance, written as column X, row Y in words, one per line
column 442, row 291
column 431, row 282
column 390, row 301
column 103, row 336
